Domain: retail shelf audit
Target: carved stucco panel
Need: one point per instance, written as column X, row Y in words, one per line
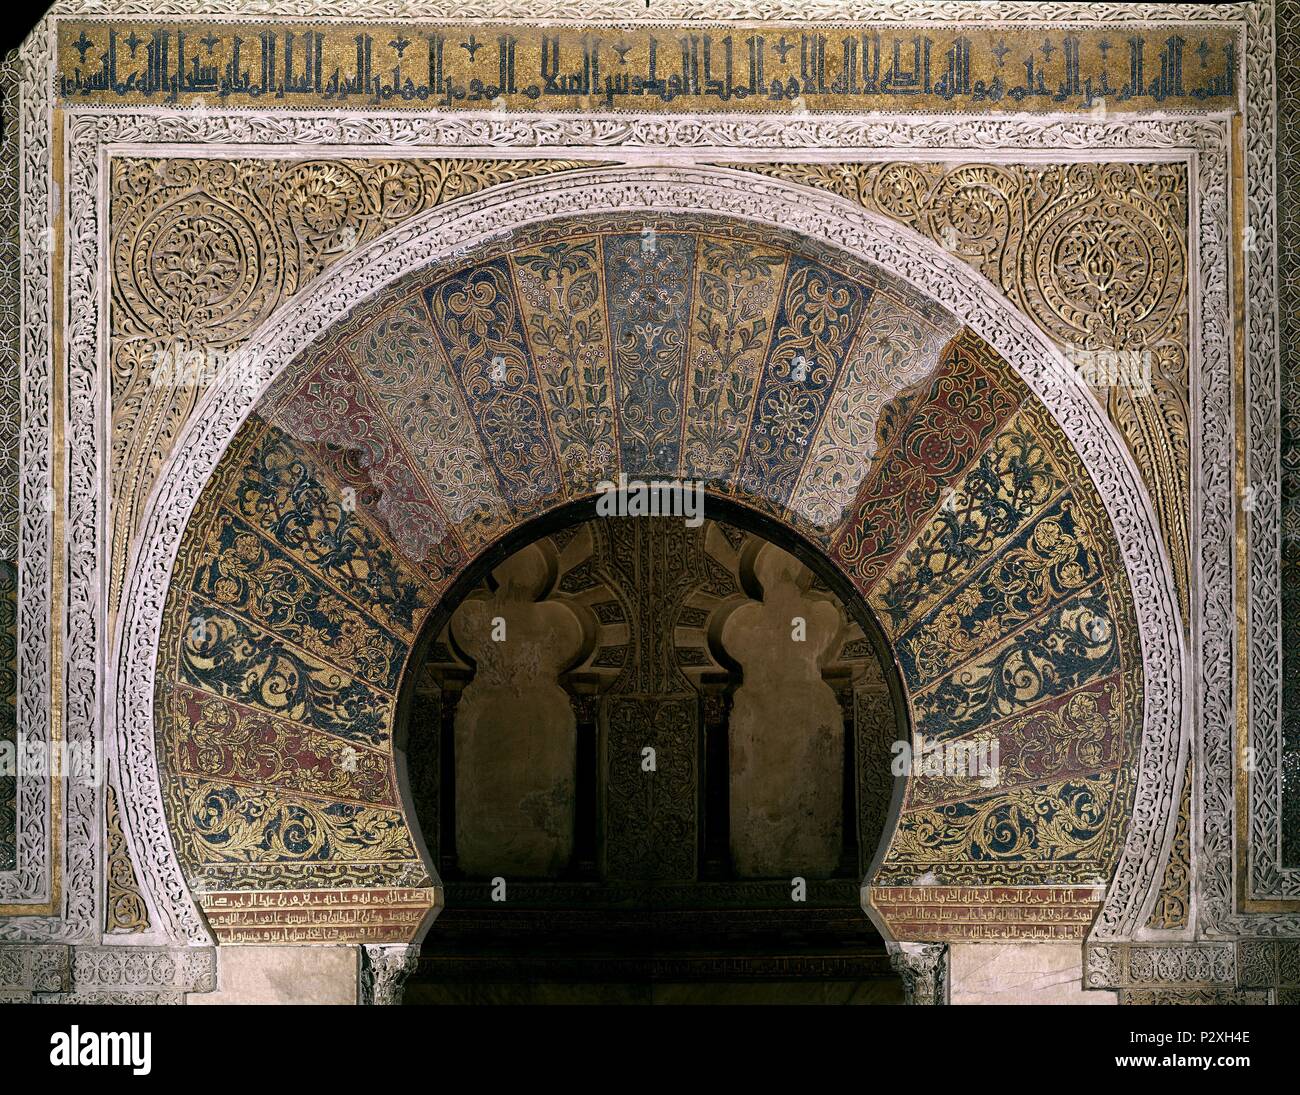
column 203, row 250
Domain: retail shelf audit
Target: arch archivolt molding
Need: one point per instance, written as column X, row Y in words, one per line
column 123, row 694
column 819, row 217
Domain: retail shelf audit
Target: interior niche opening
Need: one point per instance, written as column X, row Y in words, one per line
column 651, row 763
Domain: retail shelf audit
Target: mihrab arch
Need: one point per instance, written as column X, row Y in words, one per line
column 501, row 355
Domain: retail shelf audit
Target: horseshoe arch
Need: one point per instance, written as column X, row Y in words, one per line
column 943, row 456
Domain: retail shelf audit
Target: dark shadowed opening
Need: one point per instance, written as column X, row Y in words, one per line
column 642, row 886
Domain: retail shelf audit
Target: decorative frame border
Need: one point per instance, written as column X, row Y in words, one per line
column 1266, row 878
column 1215, row 615
column 33, row 881
column 664, row 11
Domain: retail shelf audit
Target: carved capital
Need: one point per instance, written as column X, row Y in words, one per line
column 924, row 970
column 384, row 970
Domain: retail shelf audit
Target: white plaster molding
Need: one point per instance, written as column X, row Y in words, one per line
column 1267, row 878
column 31, row 882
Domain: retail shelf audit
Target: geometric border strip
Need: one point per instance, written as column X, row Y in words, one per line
column 32, row 881
column 1252, row 971
column 1187, row 965
column 1266, row 877
column 57, row 973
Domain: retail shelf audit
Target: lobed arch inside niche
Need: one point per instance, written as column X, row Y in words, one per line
column 615, row 936
column 717, row 507
column 650, row 192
